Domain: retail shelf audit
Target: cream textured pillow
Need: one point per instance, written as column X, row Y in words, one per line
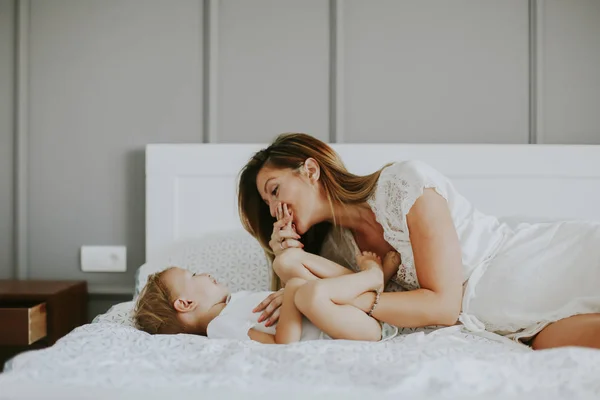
column 232, row 257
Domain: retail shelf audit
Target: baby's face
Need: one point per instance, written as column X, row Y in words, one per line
column 200, row 288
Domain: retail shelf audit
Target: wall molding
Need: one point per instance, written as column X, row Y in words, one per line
column 336, row 71
column 539, row 70
column 97, row 290
column 536, row 58
column 210, row 53
column 22, row 17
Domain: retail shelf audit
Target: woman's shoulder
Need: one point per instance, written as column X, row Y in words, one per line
column 402, row 183
column 411, row 175
column 399, row 186
column 409, row 169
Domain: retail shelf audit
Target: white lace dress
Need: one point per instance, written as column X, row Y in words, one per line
column 516, row 281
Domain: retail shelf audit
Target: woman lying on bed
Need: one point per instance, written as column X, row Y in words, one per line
column 538, row 283
column 178, row 301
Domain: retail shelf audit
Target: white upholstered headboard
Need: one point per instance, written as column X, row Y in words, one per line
column 191, row 188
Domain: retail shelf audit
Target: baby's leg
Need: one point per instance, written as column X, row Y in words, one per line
column 289, row 327
column 327, row 303
column 296, row 263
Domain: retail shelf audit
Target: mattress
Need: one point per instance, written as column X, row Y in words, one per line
column 109, row 358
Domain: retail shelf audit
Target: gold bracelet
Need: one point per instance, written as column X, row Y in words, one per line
column 377, row 294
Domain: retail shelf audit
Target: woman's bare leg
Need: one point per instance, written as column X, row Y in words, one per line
column 327, row 303
column 296, row 263
column 579, row 330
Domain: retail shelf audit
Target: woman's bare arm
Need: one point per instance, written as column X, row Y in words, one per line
column 438, row 262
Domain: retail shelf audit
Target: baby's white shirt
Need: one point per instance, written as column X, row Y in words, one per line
column 237, row 318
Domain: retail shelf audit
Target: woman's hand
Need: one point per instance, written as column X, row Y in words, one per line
column 270, row 308
column 284, row 232
column 284, row 237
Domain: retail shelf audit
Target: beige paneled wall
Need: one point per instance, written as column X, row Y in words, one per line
column 272, row 70
column 569, row 71
column 7, row 40
column 436, row 71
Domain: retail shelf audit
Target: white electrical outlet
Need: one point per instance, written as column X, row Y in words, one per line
column 104, row 258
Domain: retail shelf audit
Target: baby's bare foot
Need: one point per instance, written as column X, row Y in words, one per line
column 368, row 260
column 391, row 263
column 371, row 263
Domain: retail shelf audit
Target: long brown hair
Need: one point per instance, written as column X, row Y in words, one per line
column 290, row 150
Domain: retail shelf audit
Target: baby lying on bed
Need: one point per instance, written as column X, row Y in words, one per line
column 178, row 301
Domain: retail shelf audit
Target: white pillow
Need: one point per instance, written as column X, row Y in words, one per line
column 121, row 313
column 232, row 257
column 515, row 220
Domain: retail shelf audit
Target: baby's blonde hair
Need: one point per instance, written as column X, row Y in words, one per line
column 154, row 312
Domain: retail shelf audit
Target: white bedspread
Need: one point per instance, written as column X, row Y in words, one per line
column 106, row 358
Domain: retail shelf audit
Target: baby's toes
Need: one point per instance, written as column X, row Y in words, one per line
column 392, row 258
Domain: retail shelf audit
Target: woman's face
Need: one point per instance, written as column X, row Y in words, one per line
column 300, row 190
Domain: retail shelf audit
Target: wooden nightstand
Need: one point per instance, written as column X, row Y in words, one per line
column 35, row 314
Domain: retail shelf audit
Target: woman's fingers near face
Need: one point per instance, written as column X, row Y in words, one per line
column 289, row 216
column 286, row 210
column 276, row 247
column 278, row 225
column 288, row 234
column 279, row 235
column 278, row 228
column 282, row 234
column 285, row 239
column 288, row 243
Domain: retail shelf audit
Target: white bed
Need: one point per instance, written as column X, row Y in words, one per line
column 192, row 221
